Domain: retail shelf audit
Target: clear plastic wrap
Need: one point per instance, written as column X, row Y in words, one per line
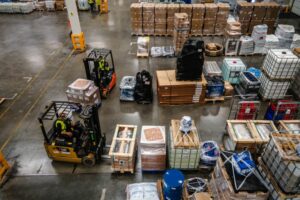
column 142, row 191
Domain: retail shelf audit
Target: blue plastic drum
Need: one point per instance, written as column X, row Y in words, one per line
column 173, row 184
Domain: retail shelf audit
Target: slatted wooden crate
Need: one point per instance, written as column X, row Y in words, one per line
column 275, row 193
column 289, row 126
column 238, row 142
column 222, row 187
column 184, row 152
column 123, row 148
column 173, row 92
column 282, row 161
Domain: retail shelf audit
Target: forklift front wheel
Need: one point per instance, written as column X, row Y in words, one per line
column 89, row 160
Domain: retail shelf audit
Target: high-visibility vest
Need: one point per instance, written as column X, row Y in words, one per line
column 103, row 65
column 62, row 124
column 90, row 1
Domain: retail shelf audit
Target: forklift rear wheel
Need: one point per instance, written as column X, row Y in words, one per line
column 89, row 160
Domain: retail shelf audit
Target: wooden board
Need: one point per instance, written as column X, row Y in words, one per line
column 284, row 127
column 254, row 123
column 1, row 100
column 233, row 136
column 159, row 189
column 190, row 140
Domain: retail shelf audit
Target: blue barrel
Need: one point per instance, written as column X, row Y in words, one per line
column 172, row 184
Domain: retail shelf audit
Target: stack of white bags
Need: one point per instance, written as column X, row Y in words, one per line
column 8, row 7
column 259, row 35
column 272, row 42
column 246, row 45
column 285, row 34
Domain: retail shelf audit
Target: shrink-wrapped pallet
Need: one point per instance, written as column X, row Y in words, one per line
column 246, row 45
column 259, row 35
column 285, row 34
column 136, row 13
column 272, row 42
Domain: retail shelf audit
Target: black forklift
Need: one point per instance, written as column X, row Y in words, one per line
column 86, row 143
column 100, row 68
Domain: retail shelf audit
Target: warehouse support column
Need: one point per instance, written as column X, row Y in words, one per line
column 77, row 35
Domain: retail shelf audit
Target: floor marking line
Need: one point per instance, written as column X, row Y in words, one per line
column 14, row 132
column 103, row 194
column 28, row 85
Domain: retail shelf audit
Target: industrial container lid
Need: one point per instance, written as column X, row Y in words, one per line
column 283, row 53
column 173, row 178
column 234, row 62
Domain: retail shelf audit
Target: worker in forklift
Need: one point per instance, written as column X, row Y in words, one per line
column 104, row 72
column 63, row 126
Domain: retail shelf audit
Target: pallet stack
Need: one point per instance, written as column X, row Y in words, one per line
column 188, row 9
column 173, row 92
column 210, row 17
column 279, row 164
column 222, row 15
column 160, row 19
column 123, row 149
column 279, row 69
column 259, row 12
column 59, row 5
column 136, row 10
column 271, row 16
column 184, row 152
column 181, row 31
column 197, row 19
column 244, row 12
column 171, row 10
column 153, row 148
column 148, row 18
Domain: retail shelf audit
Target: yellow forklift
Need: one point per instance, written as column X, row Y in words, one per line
column 84, row 142
column 5, row 169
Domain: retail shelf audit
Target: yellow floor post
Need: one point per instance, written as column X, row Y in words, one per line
column 4, row 166
column 78, row 41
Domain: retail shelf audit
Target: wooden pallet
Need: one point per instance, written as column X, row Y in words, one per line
column 142, row 55
column 190, row 140
column 142, row 34
column 2, row 100
column 275, row 78
column 215, row 99
column 212, row 35
column 159, row 189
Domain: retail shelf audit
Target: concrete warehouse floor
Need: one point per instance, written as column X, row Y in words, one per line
column 37, row 64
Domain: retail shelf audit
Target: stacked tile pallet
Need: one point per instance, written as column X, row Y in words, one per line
column 197, row 19
column 222, row 15
column 210, row 17
column 173, row 92
column 148, row 18
column 279, row 166
column 171, row 10
column 181, row 31
column 160, row 19
column 153, row 148
column 184, row 149
column 279, row 69
column 136, row 11
column 252, row 14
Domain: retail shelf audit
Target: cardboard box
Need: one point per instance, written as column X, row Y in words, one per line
column 211, row 10
column 254, row 23
column 198, row 11
column 270, row 24
column 259, row 11
column 272, row 10
column 244, row 10
column 172, row 9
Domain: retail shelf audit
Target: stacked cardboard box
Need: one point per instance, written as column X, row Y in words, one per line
column 272, row 12
column 181, row 30
column 222, row 15
column 173, row 92
column 160, row 19
column 258, row 15
column 171, row 10
column 59, row 5
column 153, row 148
column 148, row 18
column 244, row 12
column 197, row 19
column 232, row 37
column 210, row 17
column 188, row 9
column 136, row 11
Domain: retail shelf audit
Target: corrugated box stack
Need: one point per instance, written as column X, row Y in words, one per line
column 173, row 92
column 210, row 17
column 222, row 15
column 259, row 35
column 171, row 10
column 181, row 31
column 197, row 19
column 272, row 42
column 272, row 12
column 153, row 148
column 184, row 150
column 83, row 91
column 59, row 5
column 285, row 34
column 279, row 69
column 232, row 37
column 148, row 18
column 259, row 12
column 136, row 10
column 123, row 148
column 188, row 9
column 280, row 164
column 160, row 19
column 244, row 12
column 246, row 45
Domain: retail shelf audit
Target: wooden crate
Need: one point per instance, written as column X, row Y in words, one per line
column 275, row 193
column 184, row 140
column 282, row 161
column 173, row 92
column 123, row 148
column 284, row 126
column 268, row 123
column 222, row 188
column 236, row 143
